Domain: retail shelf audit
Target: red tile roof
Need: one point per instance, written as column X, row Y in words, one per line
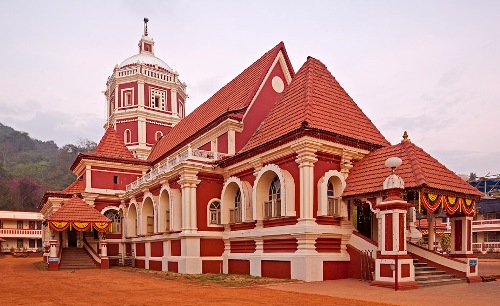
column 77, row 210
column 112, row 146
column 419, row 169
column 315, row 97
column 236, row 95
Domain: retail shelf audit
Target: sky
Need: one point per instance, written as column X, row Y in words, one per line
column 431, row 68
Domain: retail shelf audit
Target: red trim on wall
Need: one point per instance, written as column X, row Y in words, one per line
column 276, row 269
column 328, row 245
column 211, row 247
column 458, row 235
column 140, row 249
column 327, row 220
column 280, row 221
column 405, row 270
column 335, row 270
column 243, row 226
column 155, row 265
column 173, row 266
column 402, row 230
column 113, row 249
column 280, row 245
column 128, row 249
column 238, row 266
column 388, row 232
column 157, row 249
column 211, row 266
column 175, row 247
column 242, row 246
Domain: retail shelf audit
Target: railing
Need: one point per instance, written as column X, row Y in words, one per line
column 171, row 162
column 152, row 73
column 333, row 207
column 486, row 246
column 272, row 209
column 20, row 233
column 485, row 223
column 234, row 215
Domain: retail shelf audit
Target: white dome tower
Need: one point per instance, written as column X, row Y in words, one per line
column 144, row 98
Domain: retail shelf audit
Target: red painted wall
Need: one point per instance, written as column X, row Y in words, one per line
column 211, row 266
column 211, row 247
column 328, row 245
column 222, row 143
column 175, row 248
column 132, row 126
column 127, row 86
column 128, row 249
column 140, row 263
column 388, row 233
column 113, row 248
column 140, row 249
column 209, row 188
column 173, row 266
column 151, row 130
column 157, row 249
column 458, row 235
column 104, row 179
column 280, row 245
column 237, row 266
column 155, row 265
column 206, row 147
column 260, row 108
column 276, row 269
column 242, row 246
column 147, row 102
column 335, row 270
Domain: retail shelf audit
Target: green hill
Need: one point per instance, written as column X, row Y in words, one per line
column 29, row 167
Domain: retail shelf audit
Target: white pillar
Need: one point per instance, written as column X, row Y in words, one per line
column 173, row 100
column 306, row 159
column 104, row 248
column 53, row 248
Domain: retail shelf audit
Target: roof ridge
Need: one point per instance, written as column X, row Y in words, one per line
column 308, row 90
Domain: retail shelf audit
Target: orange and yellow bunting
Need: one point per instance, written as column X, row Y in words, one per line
column 59, row 226
column 101, row 226
column 81, row 226
column 451, row 205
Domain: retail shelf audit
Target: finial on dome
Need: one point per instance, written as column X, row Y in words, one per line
column 146, row 20
column 405, row 137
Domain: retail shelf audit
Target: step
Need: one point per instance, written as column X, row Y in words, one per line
column 434, row 277
column 425, row 268
column 419, row 264
column 425, row 273
column 441, row 282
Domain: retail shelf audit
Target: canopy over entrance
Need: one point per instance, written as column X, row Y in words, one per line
column 77, row 214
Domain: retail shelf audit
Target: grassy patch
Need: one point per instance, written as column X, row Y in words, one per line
column 40, row 265
column 227, row 280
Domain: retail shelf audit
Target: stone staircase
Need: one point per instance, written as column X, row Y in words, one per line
column 76, row 258
column 426, row 276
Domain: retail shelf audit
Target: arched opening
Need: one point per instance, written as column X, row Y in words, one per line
column 269, row 196
column 164, row 212
column 232, row 204
column 147, row 217
column 116, row 217
column 127, row 136
column 333, row 194
column 214, row 212
column 132, row 221
column 158, row 135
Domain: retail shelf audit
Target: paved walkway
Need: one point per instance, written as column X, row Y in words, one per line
column 486, row 294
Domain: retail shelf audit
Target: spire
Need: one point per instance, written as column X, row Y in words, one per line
column 146, row 20
column 405, row 137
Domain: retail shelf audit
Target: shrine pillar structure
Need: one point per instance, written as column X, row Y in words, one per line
column 461, row 246
column 393, row 266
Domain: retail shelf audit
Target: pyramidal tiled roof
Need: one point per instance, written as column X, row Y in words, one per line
column 77, row 186
column 418, row 169
column 315, row 97
column 112, row 146
column 77, row 210
column 235, row 95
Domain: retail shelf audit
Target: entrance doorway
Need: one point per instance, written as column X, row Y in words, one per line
column 72, row 238
column 364, row 220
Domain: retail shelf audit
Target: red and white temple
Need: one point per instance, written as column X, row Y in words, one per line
column 278, row 174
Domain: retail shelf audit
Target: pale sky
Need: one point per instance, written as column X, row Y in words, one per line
column 429, row 67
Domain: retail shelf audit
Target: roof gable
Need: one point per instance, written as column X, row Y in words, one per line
column 77, row 210
column 234, row 97
column 417, row 170
column 315, row 99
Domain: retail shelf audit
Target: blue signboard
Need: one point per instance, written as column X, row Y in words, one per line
column 473, row 262
column 53, row 259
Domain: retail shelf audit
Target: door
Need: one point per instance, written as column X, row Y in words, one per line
column 364, row 220
column 72, row 238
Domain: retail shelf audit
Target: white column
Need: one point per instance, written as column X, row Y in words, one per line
column 173, row 100
column 140, row 93
column 104, row 248
column 188, row 181
column 88, row 178
column 431, row 219
column 141, row 130
column 231, row 142
column 306, row 159
column 53, row 248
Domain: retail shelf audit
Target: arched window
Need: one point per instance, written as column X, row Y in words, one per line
column 333, row 204
column 127, row 135
column 158, row 135
column 272, row 208
column 116, row 218
column 214, row 209
column 237, row 212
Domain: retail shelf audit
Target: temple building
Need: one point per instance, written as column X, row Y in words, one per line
column 278, row 174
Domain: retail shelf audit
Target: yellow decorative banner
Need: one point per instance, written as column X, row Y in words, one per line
column 58, row 226
column 81, row 226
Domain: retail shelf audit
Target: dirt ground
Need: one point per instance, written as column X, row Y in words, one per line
column 21, row 283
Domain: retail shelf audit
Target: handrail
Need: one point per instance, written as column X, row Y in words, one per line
column 91, row 251
column 434, row 253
